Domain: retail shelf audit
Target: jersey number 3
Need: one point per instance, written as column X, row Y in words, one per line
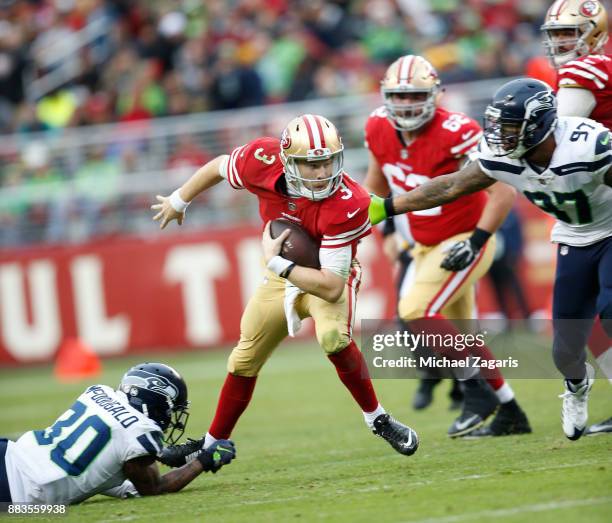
column 268, row 160
column 92, row 425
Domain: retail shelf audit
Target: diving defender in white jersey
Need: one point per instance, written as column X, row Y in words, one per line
column 107, row 443
column 564, row 166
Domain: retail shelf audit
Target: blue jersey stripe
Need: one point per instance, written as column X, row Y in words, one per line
column 501, row 166
column 572, row 168
column 147, row 445
column 158, row 440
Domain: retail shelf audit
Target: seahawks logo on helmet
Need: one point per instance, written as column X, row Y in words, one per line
column 153, row 383
column 540, row 102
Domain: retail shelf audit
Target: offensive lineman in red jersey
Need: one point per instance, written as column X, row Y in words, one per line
column 412, row 140
column 299, row 178
column 575, row 32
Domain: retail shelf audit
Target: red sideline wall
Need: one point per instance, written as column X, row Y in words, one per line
column 130, row 295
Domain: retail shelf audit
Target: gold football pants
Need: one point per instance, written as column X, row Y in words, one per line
column 428, row 289
column 263, row 325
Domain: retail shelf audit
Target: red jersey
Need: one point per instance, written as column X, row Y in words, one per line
column 339, row 220
column 594, row 73
column 438, row 149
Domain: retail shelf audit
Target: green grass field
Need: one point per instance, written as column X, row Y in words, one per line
column 304, row 453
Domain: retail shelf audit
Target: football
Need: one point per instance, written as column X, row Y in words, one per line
column 299, row 247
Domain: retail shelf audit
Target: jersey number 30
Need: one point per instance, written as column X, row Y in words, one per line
column 99, row 434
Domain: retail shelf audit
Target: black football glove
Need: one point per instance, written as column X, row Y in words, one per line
column 179, row 455
column 464, row 252
column 220, row 453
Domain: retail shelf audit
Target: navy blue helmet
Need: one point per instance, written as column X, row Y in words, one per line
column 522, row 114
column 160, row 393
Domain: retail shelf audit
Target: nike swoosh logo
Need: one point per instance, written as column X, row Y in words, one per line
column 466, row 423
column 351, row 214
column 605, row 140
column 465, row 136
column 407, row 444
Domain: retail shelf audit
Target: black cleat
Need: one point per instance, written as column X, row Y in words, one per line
column 605, row 427
column 179, row 455
column 424, row 394
column 402, row 438
column 479, row 402
column 510, row 420
column 456, row 396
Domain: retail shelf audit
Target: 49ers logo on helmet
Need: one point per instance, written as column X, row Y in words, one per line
column 589, row 8
column 318, row 152
column 285, row 139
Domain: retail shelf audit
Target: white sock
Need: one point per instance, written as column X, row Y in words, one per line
column 371, row 416
column 505, row 393
column 209, row 440
column 605, row 364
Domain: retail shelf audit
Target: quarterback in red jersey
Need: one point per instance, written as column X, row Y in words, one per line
column 575, row 32
column 411, row 140
column 300, row 178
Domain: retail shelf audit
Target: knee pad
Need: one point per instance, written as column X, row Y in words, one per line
column 241, row 363
column 332, row 341
column 410, row 310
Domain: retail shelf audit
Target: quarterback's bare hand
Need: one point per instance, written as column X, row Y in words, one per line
column 166, row 213
column 272, row 246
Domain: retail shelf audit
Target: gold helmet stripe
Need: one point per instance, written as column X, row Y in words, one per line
column 315, row 131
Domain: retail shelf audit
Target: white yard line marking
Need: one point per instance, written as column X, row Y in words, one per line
column 472, row 477
column 521, row 509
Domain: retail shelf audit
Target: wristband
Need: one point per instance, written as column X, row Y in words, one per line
column 479, row 237
column 389, row 210
column 177, row 203
column 279, row 266
column 288, row 271
column 376, row 210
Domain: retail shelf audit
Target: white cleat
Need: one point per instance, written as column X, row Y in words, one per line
column 574, row 413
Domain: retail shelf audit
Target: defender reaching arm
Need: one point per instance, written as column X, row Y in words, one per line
column 440, row 190
column 145, row 476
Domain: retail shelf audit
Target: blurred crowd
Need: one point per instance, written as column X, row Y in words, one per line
column 73, row 63
column 79, row 62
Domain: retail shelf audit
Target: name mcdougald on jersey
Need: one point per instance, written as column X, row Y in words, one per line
column 83, row 452
column 571, row 188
